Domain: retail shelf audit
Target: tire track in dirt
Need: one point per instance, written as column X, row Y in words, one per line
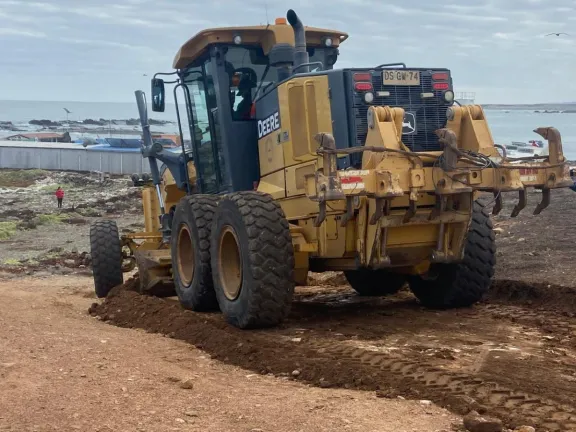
column 324, row 360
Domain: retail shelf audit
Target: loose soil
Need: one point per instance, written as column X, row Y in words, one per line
column 513, row 356
column 514, row 362
column 62, row 370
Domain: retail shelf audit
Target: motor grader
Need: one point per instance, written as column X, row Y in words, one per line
column 295, row 166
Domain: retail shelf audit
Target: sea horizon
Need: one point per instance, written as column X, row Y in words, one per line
column 507, row 122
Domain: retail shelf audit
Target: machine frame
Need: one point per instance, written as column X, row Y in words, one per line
column 404, row 215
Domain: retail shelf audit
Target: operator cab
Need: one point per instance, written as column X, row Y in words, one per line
column 220, row 73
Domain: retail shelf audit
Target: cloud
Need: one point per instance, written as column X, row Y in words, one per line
column 22, row 33
column 103, row 43
column 82, row 45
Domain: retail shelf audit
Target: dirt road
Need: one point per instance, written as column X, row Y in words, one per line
column 62, row 370
column 338, row 363
column 512, row 357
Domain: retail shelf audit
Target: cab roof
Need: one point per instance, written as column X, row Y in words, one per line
column 265, row 36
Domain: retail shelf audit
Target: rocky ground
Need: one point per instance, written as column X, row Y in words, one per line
column 340, row 362
column 36, row 236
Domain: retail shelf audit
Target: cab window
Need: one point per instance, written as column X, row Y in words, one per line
column 327, row 56
column 248, row 71
column 250, row 75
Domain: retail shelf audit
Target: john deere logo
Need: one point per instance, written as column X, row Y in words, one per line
column 409, row 124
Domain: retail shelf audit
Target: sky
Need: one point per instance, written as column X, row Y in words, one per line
column 99, row 50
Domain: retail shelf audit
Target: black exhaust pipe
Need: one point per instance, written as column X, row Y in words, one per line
column 300, row 55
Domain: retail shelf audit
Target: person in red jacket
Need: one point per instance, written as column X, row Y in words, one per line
column 59, row 196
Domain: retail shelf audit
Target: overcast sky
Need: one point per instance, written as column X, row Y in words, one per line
column 98, row 50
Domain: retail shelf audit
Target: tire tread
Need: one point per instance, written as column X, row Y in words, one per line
column 465, row 283
column 202, row 208
column 271, row 260
column 106, row 253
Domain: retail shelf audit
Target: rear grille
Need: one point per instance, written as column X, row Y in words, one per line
column 430, row 114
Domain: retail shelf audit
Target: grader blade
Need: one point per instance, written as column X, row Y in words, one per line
column 154, row 270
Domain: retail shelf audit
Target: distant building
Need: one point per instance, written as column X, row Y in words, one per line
column 41, row 137
column 465, row 98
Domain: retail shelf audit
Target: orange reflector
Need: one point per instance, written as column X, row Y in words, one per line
column 280, row 21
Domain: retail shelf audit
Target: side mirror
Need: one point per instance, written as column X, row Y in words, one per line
column 158, row 93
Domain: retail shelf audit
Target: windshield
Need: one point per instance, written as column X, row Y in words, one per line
column 250, row 74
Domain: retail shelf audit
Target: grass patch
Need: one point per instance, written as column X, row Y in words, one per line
column 49, row 219
column 7, row 230
column 12, row 262
column 52, row 188
column 42, row 219
column 21, row 178
column 88, row 212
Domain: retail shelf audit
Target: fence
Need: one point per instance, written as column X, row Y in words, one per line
column 71, row 157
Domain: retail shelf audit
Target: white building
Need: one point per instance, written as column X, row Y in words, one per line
column 465, row 98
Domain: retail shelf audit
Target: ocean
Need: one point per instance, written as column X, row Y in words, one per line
column 514, row 124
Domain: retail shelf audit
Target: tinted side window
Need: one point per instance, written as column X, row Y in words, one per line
column 247, row 68
column 200, row 130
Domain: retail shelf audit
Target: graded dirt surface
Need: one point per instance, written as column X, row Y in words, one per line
column 537, row 248
column 63, row 370
column 339, row 362
column 515, row 362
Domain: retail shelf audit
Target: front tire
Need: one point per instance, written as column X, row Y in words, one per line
column 252, row 260
column 107, row 259
column 465, row 283
column 367, row 282
column 190, row 250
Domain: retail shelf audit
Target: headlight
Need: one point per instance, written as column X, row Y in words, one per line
column 237, row 40
column 449, row 96
column 328, row 42
column 450, row 114
column 368, row 97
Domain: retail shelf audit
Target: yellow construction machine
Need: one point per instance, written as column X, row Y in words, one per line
column 294, row 166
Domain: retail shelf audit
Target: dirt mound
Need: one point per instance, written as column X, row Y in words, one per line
column 329, row 278
column 255, row 350
column 392, row 346
column 547, row 296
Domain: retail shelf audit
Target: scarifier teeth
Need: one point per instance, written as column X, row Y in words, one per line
column 498, row 203
column 544, row 203
column 521, row 203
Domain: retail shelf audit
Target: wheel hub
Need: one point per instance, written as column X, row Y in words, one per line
column 230, row 263
column 185, row 258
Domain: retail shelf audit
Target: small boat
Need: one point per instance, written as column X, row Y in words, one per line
column 525, row 149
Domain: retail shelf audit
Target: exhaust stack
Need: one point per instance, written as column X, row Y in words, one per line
column 300, row 55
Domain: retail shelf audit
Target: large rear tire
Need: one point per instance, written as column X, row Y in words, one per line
column 190, row 250
column 374, row 283
column 465, row 283
column 252, row 260
column 106, row 253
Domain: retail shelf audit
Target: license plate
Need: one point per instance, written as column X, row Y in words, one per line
column 401, row 77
